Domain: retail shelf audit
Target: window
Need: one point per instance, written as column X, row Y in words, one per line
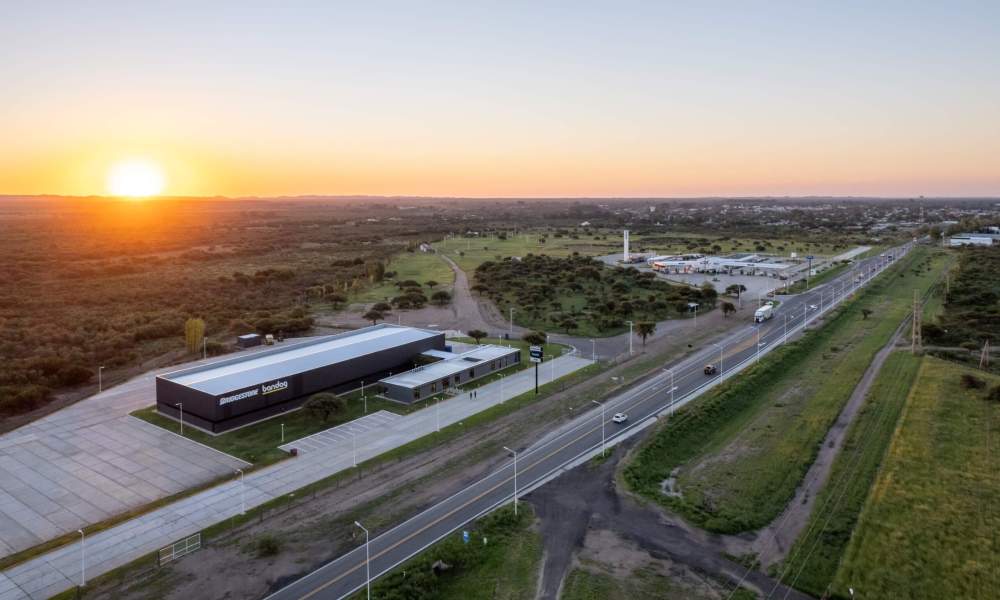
column 458, row 379
column 445, row 383
column 472, row 372
column 416, row 394
column 434, row 387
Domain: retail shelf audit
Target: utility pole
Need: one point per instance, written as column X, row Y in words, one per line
column 916, row 341
column 984, row 360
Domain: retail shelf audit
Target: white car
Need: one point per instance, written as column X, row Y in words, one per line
column 813, row 307
column 619, row 418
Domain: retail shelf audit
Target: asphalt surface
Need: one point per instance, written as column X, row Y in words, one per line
column 568, row 444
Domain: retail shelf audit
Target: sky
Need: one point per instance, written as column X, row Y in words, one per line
column 503, row 98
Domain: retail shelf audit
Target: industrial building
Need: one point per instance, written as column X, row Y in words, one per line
column 451, row 371
column 974, row 239
column 237, row 391
column 744, row 264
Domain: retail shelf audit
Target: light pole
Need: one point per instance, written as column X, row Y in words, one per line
column 593, row 350
column 437, row 414
column 784, row 338
column 243, row 494
column 515, row 477
column 354, row 448
column 368, row 562
column 282, row 433
column 100, row 380
column 630, row 335
column 501, row 389
column 364, row 398
column 83, row 558
column 180, row 406
column 204, row 348
column 602, row 425
column 511, row 320
column 671, row 373
column 720, row 359
column 757, row 358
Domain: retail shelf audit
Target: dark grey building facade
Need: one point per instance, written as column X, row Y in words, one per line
column 237, row 391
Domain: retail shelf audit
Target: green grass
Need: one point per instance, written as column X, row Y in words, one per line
column 418, row 266
column 812, row 562
column 929, row 528
column 504, row 568
column 641, row 584
column 742, row 448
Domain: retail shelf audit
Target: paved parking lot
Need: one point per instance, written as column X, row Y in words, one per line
column 91, row 461
column 342, row 434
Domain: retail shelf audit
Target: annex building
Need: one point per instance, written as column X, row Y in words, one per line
column 237, row 391
column 448, row 372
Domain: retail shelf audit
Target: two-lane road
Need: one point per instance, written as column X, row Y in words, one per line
column 671, row 388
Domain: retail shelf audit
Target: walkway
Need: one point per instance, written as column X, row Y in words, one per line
column 59, row 569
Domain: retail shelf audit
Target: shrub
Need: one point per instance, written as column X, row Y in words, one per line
column 971, row 382
column 268, row 545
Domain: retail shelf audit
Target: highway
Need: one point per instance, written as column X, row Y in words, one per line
column 581, row 437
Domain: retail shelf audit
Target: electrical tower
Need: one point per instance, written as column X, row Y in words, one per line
column 916, row 342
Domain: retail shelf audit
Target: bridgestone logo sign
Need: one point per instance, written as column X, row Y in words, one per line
column 263, row 390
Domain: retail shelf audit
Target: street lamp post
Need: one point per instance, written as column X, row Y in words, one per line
column 671, row 372
column 630, row 335
column 364, row 399
column 784, row 338
column 204, row 348
column 437, row 414
column 243, row 494
column 501, row 389
column 368, row 562
column 180, row 406
column 515, row 477
column 100, row 379
column 83, row 558
column 593, row 350
column 602, row 426
column 354, row 448
column 511, row 320
column 282, row 433
column 720, row 360
column 757, row 358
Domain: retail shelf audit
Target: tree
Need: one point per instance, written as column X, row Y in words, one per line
column 440, row 297
column 728, row 308
column 381, row 307
column 645, row 329
column 324, row 405
column 194, row 331
column 374, row 316
column 866, row 312
column 535, row 338
column 375, row 271
column 431, row 283
column 476, row 334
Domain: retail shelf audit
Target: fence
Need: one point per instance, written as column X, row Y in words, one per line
column 179, row 549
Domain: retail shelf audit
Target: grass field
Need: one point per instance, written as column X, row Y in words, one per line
column 739, row 452
column 505, row 567
column 593, row 583
column 813, row 560
column 931, row 526
column 418, row 266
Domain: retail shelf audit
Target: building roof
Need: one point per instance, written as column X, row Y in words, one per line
column 448, row 367
column 245, row 371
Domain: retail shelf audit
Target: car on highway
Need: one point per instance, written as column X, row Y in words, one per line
column 710, row 370
column 813, row 307
column 619, row 418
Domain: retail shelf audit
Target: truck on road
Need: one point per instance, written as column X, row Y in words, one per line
column 763, row 313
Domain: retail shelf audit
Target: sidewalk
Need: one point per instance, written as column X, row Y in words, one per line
column 59, row 569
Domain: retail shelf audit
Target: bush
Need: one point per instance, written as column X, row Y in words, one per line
column 268, row 545
column 971, row 382
column 994, row 394
column 20, row 399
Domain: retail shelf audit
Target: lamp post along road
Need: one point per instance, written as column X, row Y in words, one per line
column 630, row 335
column 515, row 477
column 243, row 494
column 368, row 563
column 83, row 558
column 671, row 372
column 593, row 350
column 437, row 414
column 100, row 379
column 511, row 320
column 180, row 406
column 720, row 361
column 354, row 448
column 603, row 452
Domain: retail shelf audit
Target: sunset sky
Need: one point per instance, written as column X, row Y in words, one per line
column 517, row 99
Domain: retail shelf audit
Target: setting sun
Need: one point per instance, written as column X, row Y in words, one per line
column 135, row 178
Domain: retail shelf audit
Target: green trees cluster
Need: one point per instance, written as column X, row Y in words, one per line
column 971, row 312
column 580, row 293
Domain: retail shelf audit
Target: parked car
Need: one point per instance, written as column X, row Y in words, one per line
column 619, row 418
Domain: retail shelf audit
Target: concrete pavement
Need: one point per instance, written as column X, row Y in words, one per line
column 59, row 569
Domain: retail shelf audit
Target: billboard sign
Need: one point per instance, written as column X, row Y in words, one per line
column 536, row 353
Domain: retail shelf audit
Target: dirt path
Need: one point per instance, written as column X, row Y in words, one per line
column 773, row 542
column 585, row 500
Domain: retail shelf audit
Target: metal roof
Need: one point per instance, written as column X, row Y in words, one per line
column 241, row 372
column 448, row 367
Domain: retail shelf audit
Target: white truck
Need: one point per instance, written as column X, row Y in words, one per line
column 763, row 313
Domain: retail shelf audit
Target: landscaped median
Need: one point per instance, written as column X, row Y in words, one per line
column 734, row 457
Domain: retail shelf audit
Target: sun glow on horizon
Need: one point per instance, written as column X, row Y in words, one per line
column 136, row 178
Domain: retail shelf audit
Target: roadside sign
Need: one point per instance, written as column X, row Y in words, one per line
column 465, row 537
column 536, row 354
column 810, row 257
